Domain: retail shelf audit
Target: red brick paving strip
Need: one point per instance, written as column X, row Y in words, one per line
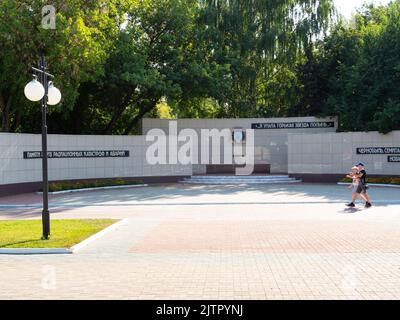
column 269, row 237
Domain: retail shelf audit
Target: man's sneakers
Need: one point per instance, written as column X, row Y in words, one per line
column 352, row 205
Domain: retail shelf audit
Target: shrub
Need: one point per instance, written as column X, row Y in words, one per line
column 61, row 186
column 380, row 180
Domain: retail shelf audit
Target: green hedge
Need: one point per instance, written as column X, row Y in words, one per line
column 61, row 186
column 383, row 180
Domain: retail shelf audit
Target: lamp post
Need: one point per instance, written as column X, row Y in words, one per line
column 49, row 95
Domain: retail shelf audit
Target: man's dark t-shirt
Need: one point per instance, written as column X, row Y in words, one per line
column 363, row 177
column 362, row 188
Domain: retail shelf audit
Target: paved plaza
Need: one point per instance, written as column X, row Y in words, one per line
column 216, row 242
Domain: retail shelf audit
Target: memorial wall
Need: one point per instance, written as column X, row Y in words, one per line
column 270, row 134
column 329, row 156
column 308, row 148
column 73, row 157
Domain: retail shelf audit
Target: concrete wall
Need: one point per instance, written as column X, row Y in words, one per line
column 271, row 145
column 15, row 169
column 317, row 152
column 336, row 153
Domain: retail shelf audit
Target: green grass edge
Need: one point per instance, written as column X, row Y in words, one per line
column 64, row 233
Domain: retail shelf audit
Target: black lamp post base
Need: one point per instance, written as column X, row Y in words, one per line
column 46, row 224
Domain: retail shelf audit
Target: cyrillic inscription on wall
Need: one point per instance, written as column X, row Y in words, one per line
column 294, row 125
column 78, row 154
column 394, row 159
column 378, row 150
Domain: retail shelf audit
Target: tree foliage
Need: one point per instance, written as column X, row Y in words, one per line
column 261, row 41
column 117, row 61
column 76, row 51
column 355, row 72
column 155, row 58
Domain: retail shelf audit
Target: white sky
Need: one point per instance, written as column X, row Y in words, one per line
column 348, row 7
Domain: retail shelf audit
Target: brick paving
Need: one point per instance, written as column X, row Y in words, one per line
column 186, row 246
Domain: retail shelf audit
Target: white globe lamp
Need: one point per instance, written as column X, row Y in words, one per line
column 54, row 95
column 34, row 90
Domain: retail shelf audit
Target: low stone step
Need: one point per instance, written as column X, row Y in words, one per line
column 235, row 178
column 238, row 180
column 242, row 182
column 270, row 179
column 240, row 177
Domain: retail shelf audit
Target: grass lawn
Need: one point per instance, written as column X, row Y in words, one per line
column 64, row 233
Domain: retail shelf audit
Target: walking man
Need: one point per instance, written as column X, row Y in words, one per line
column 362, row 188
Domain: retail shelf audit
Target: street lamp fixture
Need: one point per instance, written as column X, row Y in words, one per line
column 44, row 91
column 54, row 95
column 34, row 90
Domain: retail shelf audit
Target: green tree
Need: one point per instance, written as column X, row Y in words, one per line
column 157, row 57
column 354, row 73
column 75, row 50
column 261, row 40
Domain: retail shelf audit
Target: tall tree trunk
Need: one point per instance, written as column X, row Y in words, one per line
column 119, row 110
column 16, row 123
column 145, row 109
column 5, row 105
column 111, row 125
column 2, row 107
column 77, row 114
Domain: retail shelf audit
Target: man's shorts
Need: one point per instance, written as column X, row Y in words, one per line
column 361, row 189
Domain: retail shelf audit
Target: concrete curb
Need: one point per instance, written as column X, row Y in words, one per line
column 73, row 249
column 98, row 235
column 30, row 251
column 374, row 185
column 99, row 188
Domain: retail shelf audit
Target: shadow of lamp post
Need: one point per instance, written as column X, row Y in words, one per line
column 44, row 91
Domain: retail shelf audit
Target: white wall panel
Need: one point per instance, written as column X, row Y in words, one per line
column 338, row 153
column 15, row 169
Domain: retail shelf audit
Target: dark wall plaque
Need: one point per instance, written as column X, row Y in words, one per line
column 78, row 154
column 378, row 150
column 393, row 158
column 294, row 125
